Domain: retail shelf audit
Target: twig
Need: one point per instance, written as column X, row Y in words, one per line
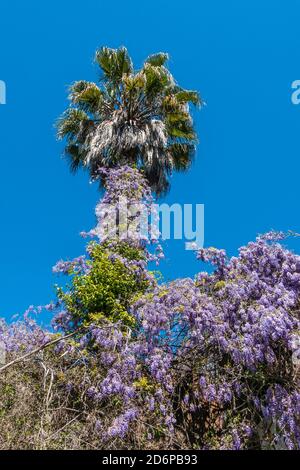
column 40, row 348
column 64, row 426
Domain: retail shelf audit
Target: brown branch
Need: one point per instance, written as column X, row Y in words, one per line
column 34, row 351
column 63, row 427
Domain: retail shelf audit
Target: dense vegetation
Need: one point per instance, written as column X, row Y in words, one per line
column 204, row 363
column 133, row 117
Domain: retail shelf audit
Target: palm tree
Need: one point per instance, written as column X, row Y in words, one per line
column 138, row 117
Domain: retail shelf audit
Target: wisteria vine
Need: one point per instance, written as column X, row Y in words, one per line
column 207, row 363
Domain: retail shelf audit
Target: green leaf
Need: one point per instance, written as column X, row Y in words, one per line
column 182, row 129
column 186, row 96
column 75, row 155
column 70, row 122
column 114, row 62
column 182, row 155
column 157, row 80
column 87, row 95
column 157, row 60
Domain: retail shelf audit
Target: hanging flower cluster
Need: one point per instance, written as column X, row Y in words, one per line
column 126, row 213
column 224, row 344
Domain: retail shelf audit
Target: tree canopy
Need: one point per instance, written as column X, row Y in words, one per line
column 139, row 117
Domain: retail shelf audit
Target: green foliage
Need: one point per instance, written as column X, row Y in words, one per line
column 86, row 95
column 71, row 122
column 107, row 289
column 158, row 59
column 114, row 62
column 132, row 116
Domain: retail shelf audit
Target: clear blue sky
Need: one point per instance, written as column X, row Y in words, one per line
column 241, row 56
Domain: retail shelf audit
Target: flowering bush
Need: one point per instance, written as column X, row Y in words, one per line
column 204, row 363
column 221, row 347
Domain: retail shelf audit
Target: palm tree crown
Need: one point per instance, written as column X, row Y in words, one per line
column 135, row 117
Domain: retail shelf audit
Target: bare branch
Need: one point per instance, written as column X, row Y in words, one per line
column 35, row 351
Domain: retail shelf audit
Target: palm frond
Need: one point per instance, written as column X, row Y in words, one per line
column 181, row 129
column 157, row 60
column 182, row 155
column 188, row 96
column 114, row 63
column 75, row 156
column 87, row 95
column 157, row 79
column 70, row 123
